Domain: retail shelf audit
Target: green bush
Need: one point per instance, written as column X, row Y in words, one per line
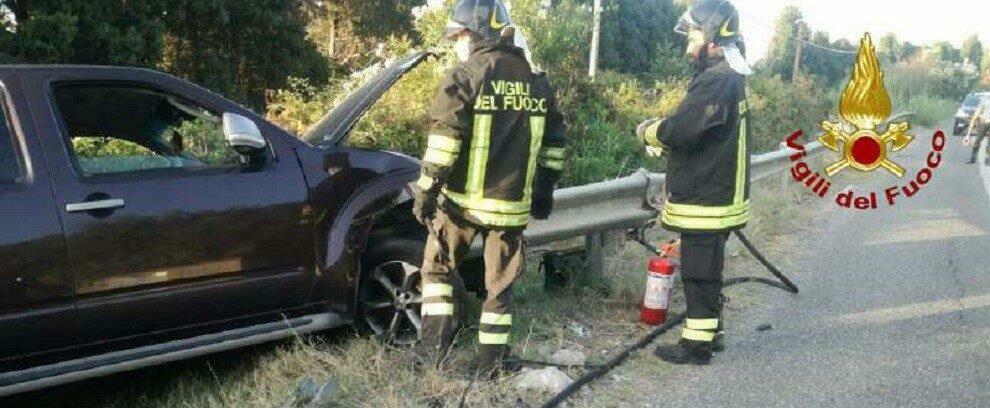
column 928, row 110
column 930, row 90
column 779, row 108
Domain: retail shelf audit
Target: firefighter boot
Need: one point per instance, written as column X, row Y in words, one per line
column 686, row 352
column 718, row 343
column 495, row 362
column 438, row 337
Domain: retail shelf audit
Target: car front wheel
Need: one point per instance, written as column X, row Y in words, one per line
column 390, row 292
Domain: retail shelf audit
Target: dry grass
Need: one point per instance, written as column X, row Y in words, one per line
column 370, row 374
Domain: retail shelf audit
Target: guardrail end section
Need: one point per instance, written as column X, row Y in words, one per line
column 654, row 190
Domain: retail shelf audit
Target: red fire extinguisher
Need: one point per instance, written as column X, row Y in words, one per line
column 659, row 288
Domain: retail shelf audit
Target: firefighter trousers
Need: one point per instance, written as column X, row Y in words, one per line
column 702, row 261
column 978, row 139
column 446, row 247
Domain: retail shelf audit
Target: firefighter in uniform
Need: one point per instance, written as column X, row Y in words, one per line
column 707, row 171
column 979, row 124
column 492, row 158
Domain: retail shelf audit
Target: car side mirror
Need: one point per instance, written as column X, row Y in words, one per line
column 243, row 135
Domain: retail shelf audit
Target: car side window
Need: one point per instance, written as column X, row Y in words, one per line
column 10, row 167
column 120, row 129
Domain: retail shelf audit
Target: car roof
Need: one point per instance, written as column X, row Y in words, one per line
column 70, row 67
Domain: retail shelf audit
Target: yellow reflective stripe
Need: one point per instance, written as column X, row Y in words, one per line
column 437, row 289
column 496, row 318
column 697, row 335
column 552, row 164
column 703, row 223
column 691, row 210
column 537, row 124
column 488, row 204
column 553, row 152
column 741, row 157
column 425, row 182
column 701, row 324
column 499, row 220
column 478, row 159
column 442, row 142
column 437, row 309
column 652, row 132
column 493, row 338
column 439, row 157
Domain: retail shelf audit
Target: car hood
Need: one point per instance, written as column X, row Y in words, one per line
column 334, row 127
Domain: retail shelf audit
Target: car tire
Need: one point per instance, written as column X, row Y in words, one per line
column 390, row 291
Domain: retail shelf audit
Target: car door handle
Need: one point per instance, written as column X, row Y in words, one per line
column 84, row 206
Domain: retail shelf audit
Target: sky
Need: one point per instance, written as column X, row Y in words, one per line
column 920, row 22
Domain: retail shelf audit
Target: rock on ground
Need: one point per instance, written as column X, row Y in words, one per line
column 548, row 379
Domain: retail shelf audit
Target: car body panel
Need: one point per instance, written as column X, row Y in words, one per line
column 247, row 246
column 349, row 188
column 37, row 300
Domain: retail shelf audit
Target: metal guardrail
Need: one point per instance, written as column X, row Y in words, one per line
column 628, row 202
column 623, row 203
column 635, row 200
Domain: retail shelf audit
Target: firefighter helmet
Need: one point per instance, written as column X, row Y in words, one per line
column 486, row 18
column 717, row 19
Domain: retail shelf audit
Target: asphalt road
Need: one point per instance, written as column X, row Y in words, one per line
column 894, row 309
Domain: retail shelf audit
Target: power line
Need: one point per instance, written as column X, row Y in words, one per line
column 773, row 30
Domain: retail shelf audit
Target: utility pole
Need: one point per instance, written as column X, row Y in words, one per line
column 595, row 34
column 798, row 45
column 545, row 6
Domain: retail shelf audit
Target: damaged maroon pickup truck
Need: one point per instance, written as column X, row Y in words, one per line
column 146, row 220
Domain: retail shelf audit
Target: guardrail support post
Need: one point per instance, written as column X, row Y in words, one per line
column 595, row 260
column 784, row 177
column 784, row 182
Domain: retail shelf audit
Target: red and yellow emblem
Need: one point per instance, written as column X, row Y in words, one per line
column 865, row 105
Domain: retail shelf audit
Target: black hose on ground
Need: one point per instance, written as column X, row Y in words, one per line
column 674, row 320
column 614, row 362
column 791, row 287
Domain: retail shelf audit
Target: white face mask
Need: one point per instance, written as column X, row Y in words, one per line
column 463, row 47
column 695, row 41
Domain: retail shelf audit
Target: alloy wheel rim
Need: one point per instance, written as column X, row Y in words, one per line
column 392, row 302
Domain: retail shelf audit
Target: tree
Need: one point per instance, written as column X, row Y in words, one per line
column 830, row 66
column 890, row 48
column 985, row 72
column 972, row 50
column 241, row 48
column 344, row 30
column 944, row 52
column 909, row 51
column 84, row 31
column 634, row 32
column 780, row 55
